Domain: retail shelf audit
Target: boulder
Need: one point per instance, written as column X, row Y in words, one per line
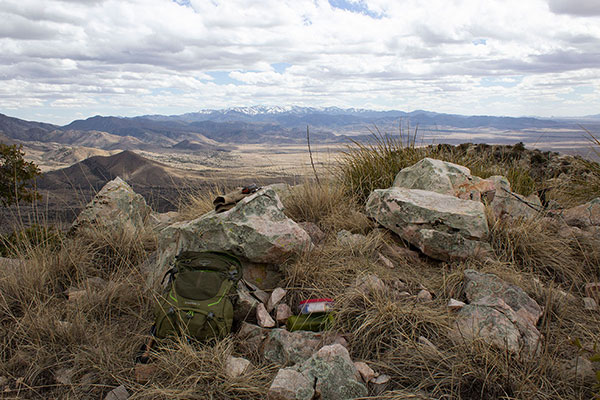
column 290, row 384
column 256, row 229
column 333, row 373
column 584, row 215
column 479, row 285
column 287, row 348
column 507, row 203
column 116, row 208
column 443, row 177
column 441, row 226
column 493, row 321
column 499, row 313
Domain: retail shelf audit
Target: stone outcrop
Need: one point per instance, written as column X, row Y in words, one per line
column 584, row 215
column 116, row 208
column 256, row 229
column 443, row 177
column 455, row 180
column 440, row 225
column 281, row 346
column 499, row 313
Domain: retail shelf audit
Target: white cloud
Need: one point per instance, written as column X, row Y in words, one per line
column 155, row 56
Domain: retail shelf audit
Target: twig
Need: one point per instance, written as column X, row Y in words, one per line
column 311, row 157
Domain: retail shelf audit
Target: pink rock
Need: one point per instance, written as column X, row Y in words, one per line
column 455, row 305
column 366, row 372
column 263, row 317
column 275, row 298
column 236, row 366
column 424, row 295
column 283, row 313
column 386, row 261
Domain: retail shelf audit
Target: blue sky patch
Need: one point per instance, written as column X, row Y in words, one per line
column 359, row 7
column 280, row 67
column 480, row 41
column 223, row 78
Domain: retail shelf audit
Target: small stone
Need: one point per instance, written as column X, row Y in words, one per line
column 455, row 305
column 381, row 379
column 339, row 339
column 283, row 313
column 63, row 376
column 74, row 294
column 257, row 292
column 369, row 283
column 275, row 298
column 379, row 384
column 365, row 371
column 424, row 296
column 290, row 384
column 263, row 317
column 144, row 372
column 403, row 294
column 119, row 393
column 590, row 304
column 386, row 261
column 236, row 366
column 592, row 290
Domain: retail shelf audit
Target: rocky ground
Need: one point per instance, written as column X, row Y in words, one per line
column 444, row 285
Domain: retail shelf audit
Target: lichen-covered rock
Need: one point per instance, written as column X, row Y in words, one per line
column 286, row 348
column 506, row 202
column 116, row 208
column 499, row 313
column 441, row 226
column 290, row 384
column 584, row 215
column 479, row 285
column 256, row 229
column 334, row 373
column 493, row 321
column 442, row 177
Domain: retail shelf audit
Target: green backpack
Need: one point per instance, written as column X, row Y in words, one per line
column 197, row 302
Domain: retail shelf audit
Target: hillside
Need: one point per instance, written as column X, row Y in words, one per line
column 135, row 169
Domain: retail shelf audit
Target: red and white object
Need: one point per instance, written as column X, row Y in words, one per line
column 316, row 306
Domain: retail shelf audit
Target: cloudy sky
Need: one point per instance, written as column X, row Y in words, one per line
column 68, row 59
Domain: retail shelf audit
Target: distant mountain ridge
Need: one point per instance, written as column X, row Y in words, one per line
column 215, row 129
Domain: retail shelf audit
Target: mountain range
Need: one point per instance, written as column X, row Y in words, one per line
column 218, row 129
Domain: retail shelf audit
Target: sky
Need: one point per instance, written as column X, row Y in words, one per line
column 62, row 60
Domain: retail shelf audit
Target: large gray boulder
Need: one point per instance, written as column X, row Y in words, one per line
column 440, row 225
column 452, row 179
column 116, row 208
column 500, row 314
column 256, row 229
column 442, row 177
column 290, row 384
